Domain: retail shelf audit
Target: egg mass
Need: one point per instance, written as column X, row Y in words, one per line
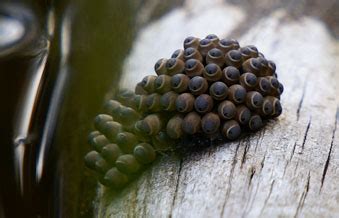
column 211, row 87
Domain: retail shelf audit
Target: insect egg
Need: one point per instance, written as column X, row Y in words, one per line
column 114, row 178
column 127, row 163
column 185, row 102
column 233, row 58
column 219, row 90
column 226, row 110
column 179, row 83
column 179, row 54
column 210, row 123
column 237, row 93
column 191, row 123
column 144, row 153
column 212, row 72
column 191, row 42
column 231, row 129
column 192, row 53
column 194, row 67
column 160, row 66
column 215, row 56
column 230, row 75
column 198, row 85
column 203, row 103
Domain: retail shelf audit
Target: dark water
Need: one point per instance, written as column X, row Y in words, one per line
column 58, row 60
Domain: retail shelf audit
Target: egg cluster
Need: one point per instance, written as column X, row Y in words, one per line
column 211, row 87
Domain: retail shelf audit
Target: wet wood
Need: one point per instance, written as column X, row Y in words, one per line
column 288, row 169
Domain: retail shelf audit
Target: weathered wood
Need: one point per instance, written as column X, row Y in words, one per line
column 288, row 169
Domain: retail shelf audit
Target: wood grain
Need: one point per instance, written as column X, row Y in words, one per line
column 288, row 169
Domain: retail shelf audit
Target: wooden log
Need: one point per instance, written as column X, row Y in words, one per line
column 287, row 169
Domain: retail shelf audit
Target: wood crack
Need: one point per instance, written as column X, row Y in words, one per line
column 252, row 172
column 303, row 196
column 176, row 186
column 330, row 150
column 228, row 191
column 247, row 147
column 301, row 100
column 293, row 150
column 267, row 198
column 305, row 135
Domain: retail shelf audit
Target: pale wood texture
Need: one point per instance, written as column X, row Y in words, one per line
column 288, row 169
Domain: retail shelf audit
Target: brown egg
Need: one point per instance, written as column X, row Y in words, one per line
column 231, row 129
column 127, row 163
column 179, row 83
column 167, row 101
column 126, row 141
column 266, row 108
column 255, row 122
column 191, row 123
column 277, row 109
column 163, row 84
column 100, row 120
column 198, row 85
column 218, row 91
column 274, row 83
column 139, row 90
column 112, row 107
column 111, row 129
column 115, row 179
column 243, row 115
column 263, row 86
column 194, row 67
column 111, row 152
column 271, row 68
column 174, row 66
column 174, row 127
column 192, row 53
column 179, row 54
column 245, row 53
column 236, row 94
column 184, row 102
column 210, row 123
column 203, row 103
column 101, row 165
column 226, row 110
column 98, row 142
column 160, row 67
column 191, row 42
column 212, row 72
column 230, row 75
column 254, row 100
column 125, row 97
column 128, row 116
column 251, row 65
column 91, row 158
column 263, row 66
column 204, row 46
column 148, row 83
column 214, row 38
column 215, row 56
column 140, row 102
column 144, row 153
column 254, row 53
column 248, row 81
column 150, row 125
column 233, row 58
column 153, row 102
column 226, row 45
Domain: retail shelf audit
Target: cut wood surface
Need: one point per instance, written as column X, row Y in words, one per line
column 290, row 168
